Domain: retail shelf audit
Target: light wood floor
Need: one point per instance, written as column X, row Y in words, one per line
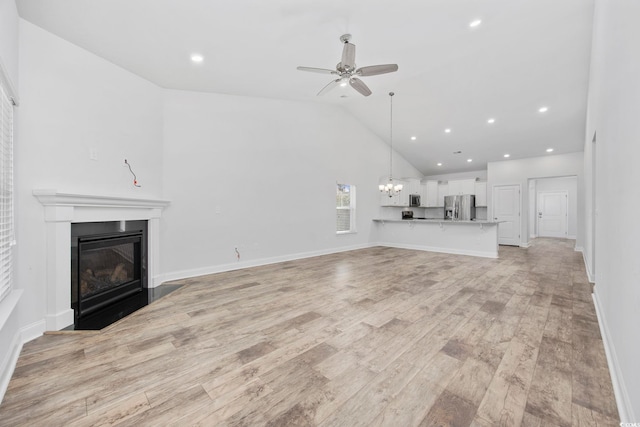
column 379, row 336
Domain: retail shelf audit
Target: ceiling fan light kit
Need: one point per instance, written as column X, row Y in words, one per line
column 347, row 72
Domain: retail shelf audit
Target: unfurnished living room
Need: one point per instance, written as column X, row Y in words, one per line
column 306, row 213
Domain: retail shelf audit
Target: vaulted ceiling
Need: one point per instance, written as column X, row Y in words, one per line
column 524, row 55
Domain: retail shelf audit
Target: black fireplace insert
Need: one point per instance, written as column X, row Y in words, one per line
column 108, row 277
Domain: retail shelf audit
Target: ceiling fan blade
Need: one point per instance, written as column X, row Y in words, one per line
column 317, row 70
column 349, row 56
column 330, row 86
column 359, row 85
column 377, row 69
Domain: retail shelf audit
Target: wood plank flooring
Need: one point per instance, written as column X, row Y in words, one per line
column 374, row 337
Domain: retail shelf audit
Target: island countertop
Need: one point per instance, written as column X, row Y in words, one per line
column 439, row 235
column 444, row 221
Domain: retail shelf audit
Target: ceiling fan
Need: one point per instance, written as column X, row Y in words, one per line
column 347, row 71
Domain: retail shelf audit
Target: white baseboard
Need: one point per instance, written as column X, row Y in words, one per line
column 10, row 338
column 587, row 266
column 184, row 274
column 23, row 336
column 9, row 365
column 59, row 320
column 441, row 250
column 625, row 410
column 525, row 245
column 33, row 331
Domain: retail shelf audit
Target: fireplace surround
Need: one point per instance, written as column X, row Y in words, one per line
column 60, row 211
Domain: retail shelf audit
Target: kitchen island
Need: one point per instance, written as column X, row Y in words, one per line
column 474, row 237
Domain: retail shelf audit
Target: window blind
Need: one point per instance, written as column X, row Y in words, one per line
column 7, row 235
column 345, row 208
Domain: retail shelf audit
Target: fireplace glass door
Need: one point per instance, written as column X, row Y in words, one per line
column 109, row 269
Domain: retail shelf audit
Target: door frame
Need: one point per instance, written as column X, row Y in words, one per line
column 566, row 210
column 493, row 207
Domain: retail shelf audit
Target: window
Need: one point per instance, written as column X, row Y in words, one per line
column 6, row 189
column 345, row 208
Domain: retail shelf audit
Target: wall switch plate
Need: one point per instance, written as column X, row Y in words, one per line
column 93, row 153
column 218, row 210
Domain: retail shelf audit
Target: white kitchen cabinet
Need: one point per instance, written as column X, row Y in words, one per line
column 443, row 190
column 468, row 186
column 423, row 195
column 429, row 197
column 403, row 196
column 481, row 193
column 455, row 188
column 412, row 186
column 462, row 186
column 385, row 200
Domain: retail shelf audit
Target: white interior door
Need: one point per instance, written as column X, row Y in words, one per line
column 552, row 213
column 506, row 209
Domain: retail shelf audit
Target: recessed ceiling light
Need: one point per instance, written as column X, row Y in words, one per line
column 475, row 23
column 439, row 164
column 549, row 150
column 543, row 109
column 413, row 138
column 197, row 58
column 506, row 155
column 469, row 160
column 447, row 130
column 491, row 121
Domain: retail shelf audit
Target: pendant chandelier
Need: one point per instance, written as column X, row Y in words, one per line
column 390, row 189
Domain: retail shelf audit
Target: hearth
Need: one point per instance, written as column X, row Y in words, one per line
column 108, row 271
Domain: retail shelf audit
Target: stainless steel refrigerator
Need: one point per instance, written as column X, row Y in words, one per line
column 462, row 207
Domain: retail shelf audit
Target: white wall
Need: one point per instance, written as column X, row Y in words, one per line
column 614, row 104
column 568, row 184
column 522, row 170
column 9, row 39
column 10, row 339
column 71, row 102
column 260, row 175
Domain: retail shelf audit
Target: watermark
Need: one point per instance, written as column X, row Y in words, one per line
column 629, row 424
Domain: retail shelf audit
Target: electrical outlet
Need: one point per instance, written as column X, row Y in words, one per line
column 218, row 210
column 93, row 153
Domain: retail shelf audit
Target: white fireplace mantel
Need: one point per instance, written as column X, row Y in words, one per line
column 62, row 209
